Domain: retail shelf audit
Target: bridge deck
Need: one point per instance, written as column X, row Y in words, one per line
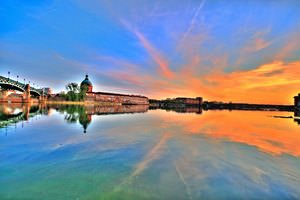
column 7, row 82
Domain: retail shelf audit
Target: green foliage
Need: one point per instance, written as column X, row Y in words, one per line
column 63, row 95
column 75, row 93
column 82, row 92
column 75, row 113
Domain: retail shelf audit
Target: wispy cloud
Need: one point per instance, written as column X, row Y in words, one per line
column 258, row 41
column 193, row 20
column 152, row 51
column 290, row 46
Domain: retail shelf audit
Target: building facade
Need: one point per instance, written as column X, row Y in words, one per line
column 121, row 99
column 189, row 101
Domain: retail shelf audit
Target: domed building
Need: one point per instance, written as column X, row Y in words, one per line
column 110, row 98
column 87, row 83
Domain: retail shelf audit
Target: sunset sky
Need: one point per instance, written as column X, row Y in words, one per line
column 240, row 51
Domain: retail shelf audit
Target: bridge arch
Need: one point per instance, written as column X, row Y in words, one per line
column 12, row 86
column 35, row 93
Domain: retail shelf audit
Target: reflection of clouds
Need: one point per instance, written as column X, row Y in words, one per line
column 236, row 170
column 181, row 177
column 153, row 154
column 107, row 133
column 209, row 153
column 251, row 128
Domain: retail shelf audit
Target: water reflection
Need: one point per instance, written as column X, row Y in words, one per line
column 297, row 116
column 196, row 109
column 152, row 154
column 83, row 114
column 14, row 113
column 75, row 114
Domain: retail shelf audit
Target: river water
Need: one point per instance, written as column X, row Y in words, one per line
column 73, row 152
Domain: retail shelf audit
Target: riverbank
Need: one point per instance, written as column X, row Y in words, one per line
column 83, row 103
column 246, row 106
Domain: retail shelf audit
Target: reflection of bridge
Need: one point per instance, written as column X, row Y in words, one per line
column 14, row 113
column 28, row 91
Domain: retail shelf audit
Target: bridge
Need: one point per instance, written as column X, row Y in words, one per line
column 8, row 84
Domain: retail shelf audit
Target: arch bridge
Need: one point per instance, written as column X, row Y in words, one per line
column 9, row 84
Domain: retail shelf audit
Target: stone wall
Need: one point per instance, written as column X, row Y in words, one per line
column 117, row 98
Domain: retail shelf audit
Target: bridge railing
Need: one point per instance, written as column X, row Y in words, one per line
column 19, row 84
column 11, row 82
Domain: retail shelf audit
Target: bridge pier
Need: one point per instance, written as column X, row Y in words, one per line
column 3, row 96
column 26, row 94
column 26, row 111
column 42, row 98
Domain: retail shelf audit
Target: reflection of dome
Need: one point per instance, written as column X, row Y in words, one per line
column 85, row 120
column 87, row 83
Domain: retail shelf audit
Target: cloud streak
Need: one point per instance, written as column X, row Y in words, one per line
column 152, row 51
column 193, row 20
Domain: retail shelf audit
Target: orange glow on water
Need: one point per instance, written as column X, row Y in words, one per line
column 258, row 129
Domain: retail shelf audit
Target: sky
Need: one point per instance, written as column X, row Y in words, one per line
column 239, row 51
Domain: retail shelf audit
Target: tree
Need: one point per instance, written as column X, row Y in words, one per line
column 72, row 87
column 73, row 90
column 75, row 93
column 82, row 93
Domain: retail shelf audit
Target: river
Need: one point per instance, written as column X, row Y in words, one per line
column 133, row 152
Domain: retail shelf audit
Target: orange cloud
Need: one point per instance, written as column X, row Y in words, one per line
column 276, row 82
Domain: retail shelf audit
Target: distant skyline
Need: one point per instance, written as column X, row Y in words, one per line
column 240, row 51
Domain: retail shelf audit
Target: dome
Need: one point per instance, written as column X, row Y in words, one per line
column 86, row 81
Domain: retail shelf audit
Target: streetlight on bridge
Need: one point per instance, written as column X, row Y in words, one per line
column 8, row 74
column 17, row 78
column 24, row 80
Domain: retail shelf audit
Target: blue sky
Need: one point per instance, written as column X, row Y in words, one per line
column 156, row 48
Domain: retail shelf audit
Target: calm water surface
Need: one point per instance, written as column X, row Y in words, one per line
column 73, row 152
